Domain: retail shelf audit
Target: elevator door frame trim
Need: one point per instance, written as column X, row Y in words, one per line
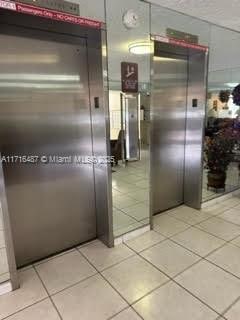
column 12, row 23
column 196, row 203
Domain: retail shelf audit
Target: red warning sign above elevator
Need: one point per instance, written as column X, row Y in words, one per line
column 180, row 43
column 49, row 14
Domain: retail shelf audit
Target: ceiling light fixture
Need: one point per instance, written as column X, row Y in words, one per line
column 164, row 59
column 140, row 48
column 232, row 84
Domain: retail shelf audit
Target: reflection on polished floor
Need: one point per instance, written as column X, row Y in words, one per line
column 131, row 195
column 186, row 268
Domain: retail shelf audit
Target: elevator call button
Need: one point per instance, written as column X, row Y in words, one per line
column 194, row 103
column 96, row 102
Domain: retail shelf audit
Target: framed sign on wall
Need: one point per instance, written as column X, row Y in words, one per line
column 129, row 72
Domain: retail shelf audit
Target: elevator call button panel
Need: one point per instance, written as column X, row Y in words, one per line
column 194, row 103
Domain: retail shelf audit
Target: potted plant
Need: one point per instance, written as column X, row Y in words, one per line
column 219, row 154
column 236, row 95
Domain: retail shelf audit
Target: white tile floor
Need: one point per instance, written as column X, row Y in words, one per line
column 130, row 186
column 131, row 195
column 188, row 268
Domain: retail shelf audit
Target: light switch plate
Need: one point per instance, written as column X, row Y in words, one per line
column 58, row 5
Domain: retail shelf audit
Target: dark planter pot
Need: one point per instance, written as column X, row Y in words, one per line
column 217, row 180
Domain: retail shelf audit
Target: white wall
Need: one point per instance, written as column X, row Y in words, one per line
column 162, row 18
column 93, row 9
column 114, row 113
column 119, row 38
column 224, row 49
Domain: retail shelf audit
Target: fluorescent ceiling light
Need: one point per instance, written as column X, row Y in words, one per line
column 166, row 59
column 232, row 84
column 140, row 48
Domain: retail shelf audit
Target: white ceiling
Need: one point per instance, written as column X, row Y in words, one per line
column 224, row 44
column 222, row 12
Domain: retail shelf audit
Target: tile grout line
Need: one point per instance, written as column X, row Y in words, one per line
column 49, row 296
column 102, row 276
column 229, row 308
column 205, row 257
column 36, row 264
column 209, row 218
column 235, row 224
column 195, row 253
column 228, row 208
column 143, row 203
column 132, row 205
column 194, row 226
column 113, row 265
column 201, row 258
column 112, row 317
column 173, row 279
column 82, row 280
column 227, row 271
column 151, row 246
column 72, row 285
column 153, row 290
column 228, row 193
column 203, row 302
column 198, row 223
column 171, row 238
column 25, row 308
column 138, row 254
column 210, row 253
column 212, row 234
column 130, row 215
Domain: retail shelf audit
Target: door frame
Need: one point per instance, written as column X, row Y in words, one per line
column 193, row 169
column 124, row 102
column 19, row 24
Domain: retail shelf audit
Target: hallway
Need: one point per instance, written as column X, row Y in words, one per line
column 187, row 268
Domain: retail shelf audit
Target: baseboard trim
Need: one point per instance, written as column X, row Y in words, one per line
column 131, row 235
column 5, row 287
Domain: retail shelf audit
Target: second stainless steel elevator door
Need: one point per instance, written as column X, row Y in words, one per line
column 45, row 111
column 169, row 106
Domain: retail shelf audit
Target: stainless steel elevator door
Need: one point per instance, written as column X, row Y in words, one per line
column 44, row 110
column 169, row 103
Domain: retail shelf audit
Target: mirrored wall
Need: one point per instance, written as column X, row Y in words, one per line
column 4, row 268
column 222, row 133
column 129, row 117
column 130, row 176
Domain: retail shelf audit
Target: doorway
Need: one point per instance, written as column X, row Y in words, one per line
column 129, row 123
column 178, row 108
